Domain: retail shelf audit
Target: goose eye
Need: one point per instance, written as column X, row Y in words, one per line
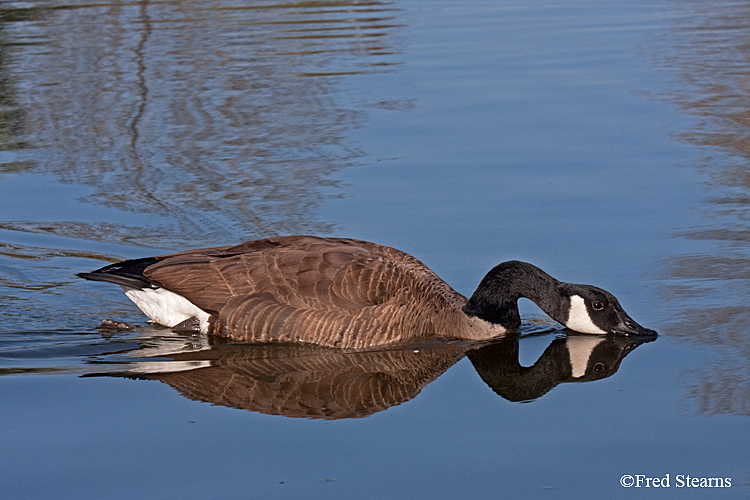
column 598, row 368
column 598, row 306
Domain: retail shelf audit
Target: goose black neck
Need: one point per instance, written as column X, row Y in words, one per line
column 496, row 298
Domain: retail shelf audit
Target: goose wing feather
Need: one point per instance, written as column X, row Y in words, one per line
column 330, row 291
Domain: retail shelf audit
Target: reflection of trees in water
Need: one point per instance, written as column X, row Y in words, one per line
column 11, row 114
column 220, row 118
column 709, row 51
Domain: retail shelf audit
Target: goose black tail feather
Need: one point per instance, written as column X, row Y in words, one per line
column 127, row 273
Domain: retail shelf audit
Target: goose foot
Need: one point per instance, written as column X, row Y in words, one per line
column 190, row 325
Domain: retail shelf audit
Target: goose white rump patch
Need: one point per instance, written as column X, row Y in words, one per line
column 579, row 319
column 165, row 307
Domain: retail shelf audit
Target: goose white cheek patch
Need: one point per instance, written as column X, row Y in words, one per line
column 579, row 319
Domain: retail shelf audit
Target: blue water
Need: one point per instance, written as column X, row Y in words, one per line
column 605, row 142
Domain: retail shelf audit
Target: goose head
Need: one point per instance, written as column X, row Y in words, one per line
column 582, row 308
column 593, row 310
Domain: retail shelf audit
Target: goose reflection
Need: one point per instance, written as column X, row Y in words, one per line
column 576, row 358
column 297, row 380
column 304, row 380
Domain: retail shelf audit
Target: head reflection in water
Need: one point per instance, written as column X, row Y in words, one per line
column 313, row 382
column 576, row 358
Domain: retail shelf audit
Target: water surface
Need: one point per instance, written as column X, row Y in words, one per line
column 605, row 142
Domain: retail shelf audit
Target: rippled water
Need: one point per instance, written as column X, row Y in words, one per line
column 605, row 142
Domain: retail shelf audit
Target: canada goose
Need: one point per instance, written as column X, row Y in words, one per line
column 346, row 293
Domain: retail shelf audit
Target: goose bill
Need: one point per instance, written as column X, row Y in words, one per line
column 627, row 326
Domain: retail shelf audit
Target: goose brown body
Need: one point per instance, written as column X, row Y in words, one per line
column 328, row 291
